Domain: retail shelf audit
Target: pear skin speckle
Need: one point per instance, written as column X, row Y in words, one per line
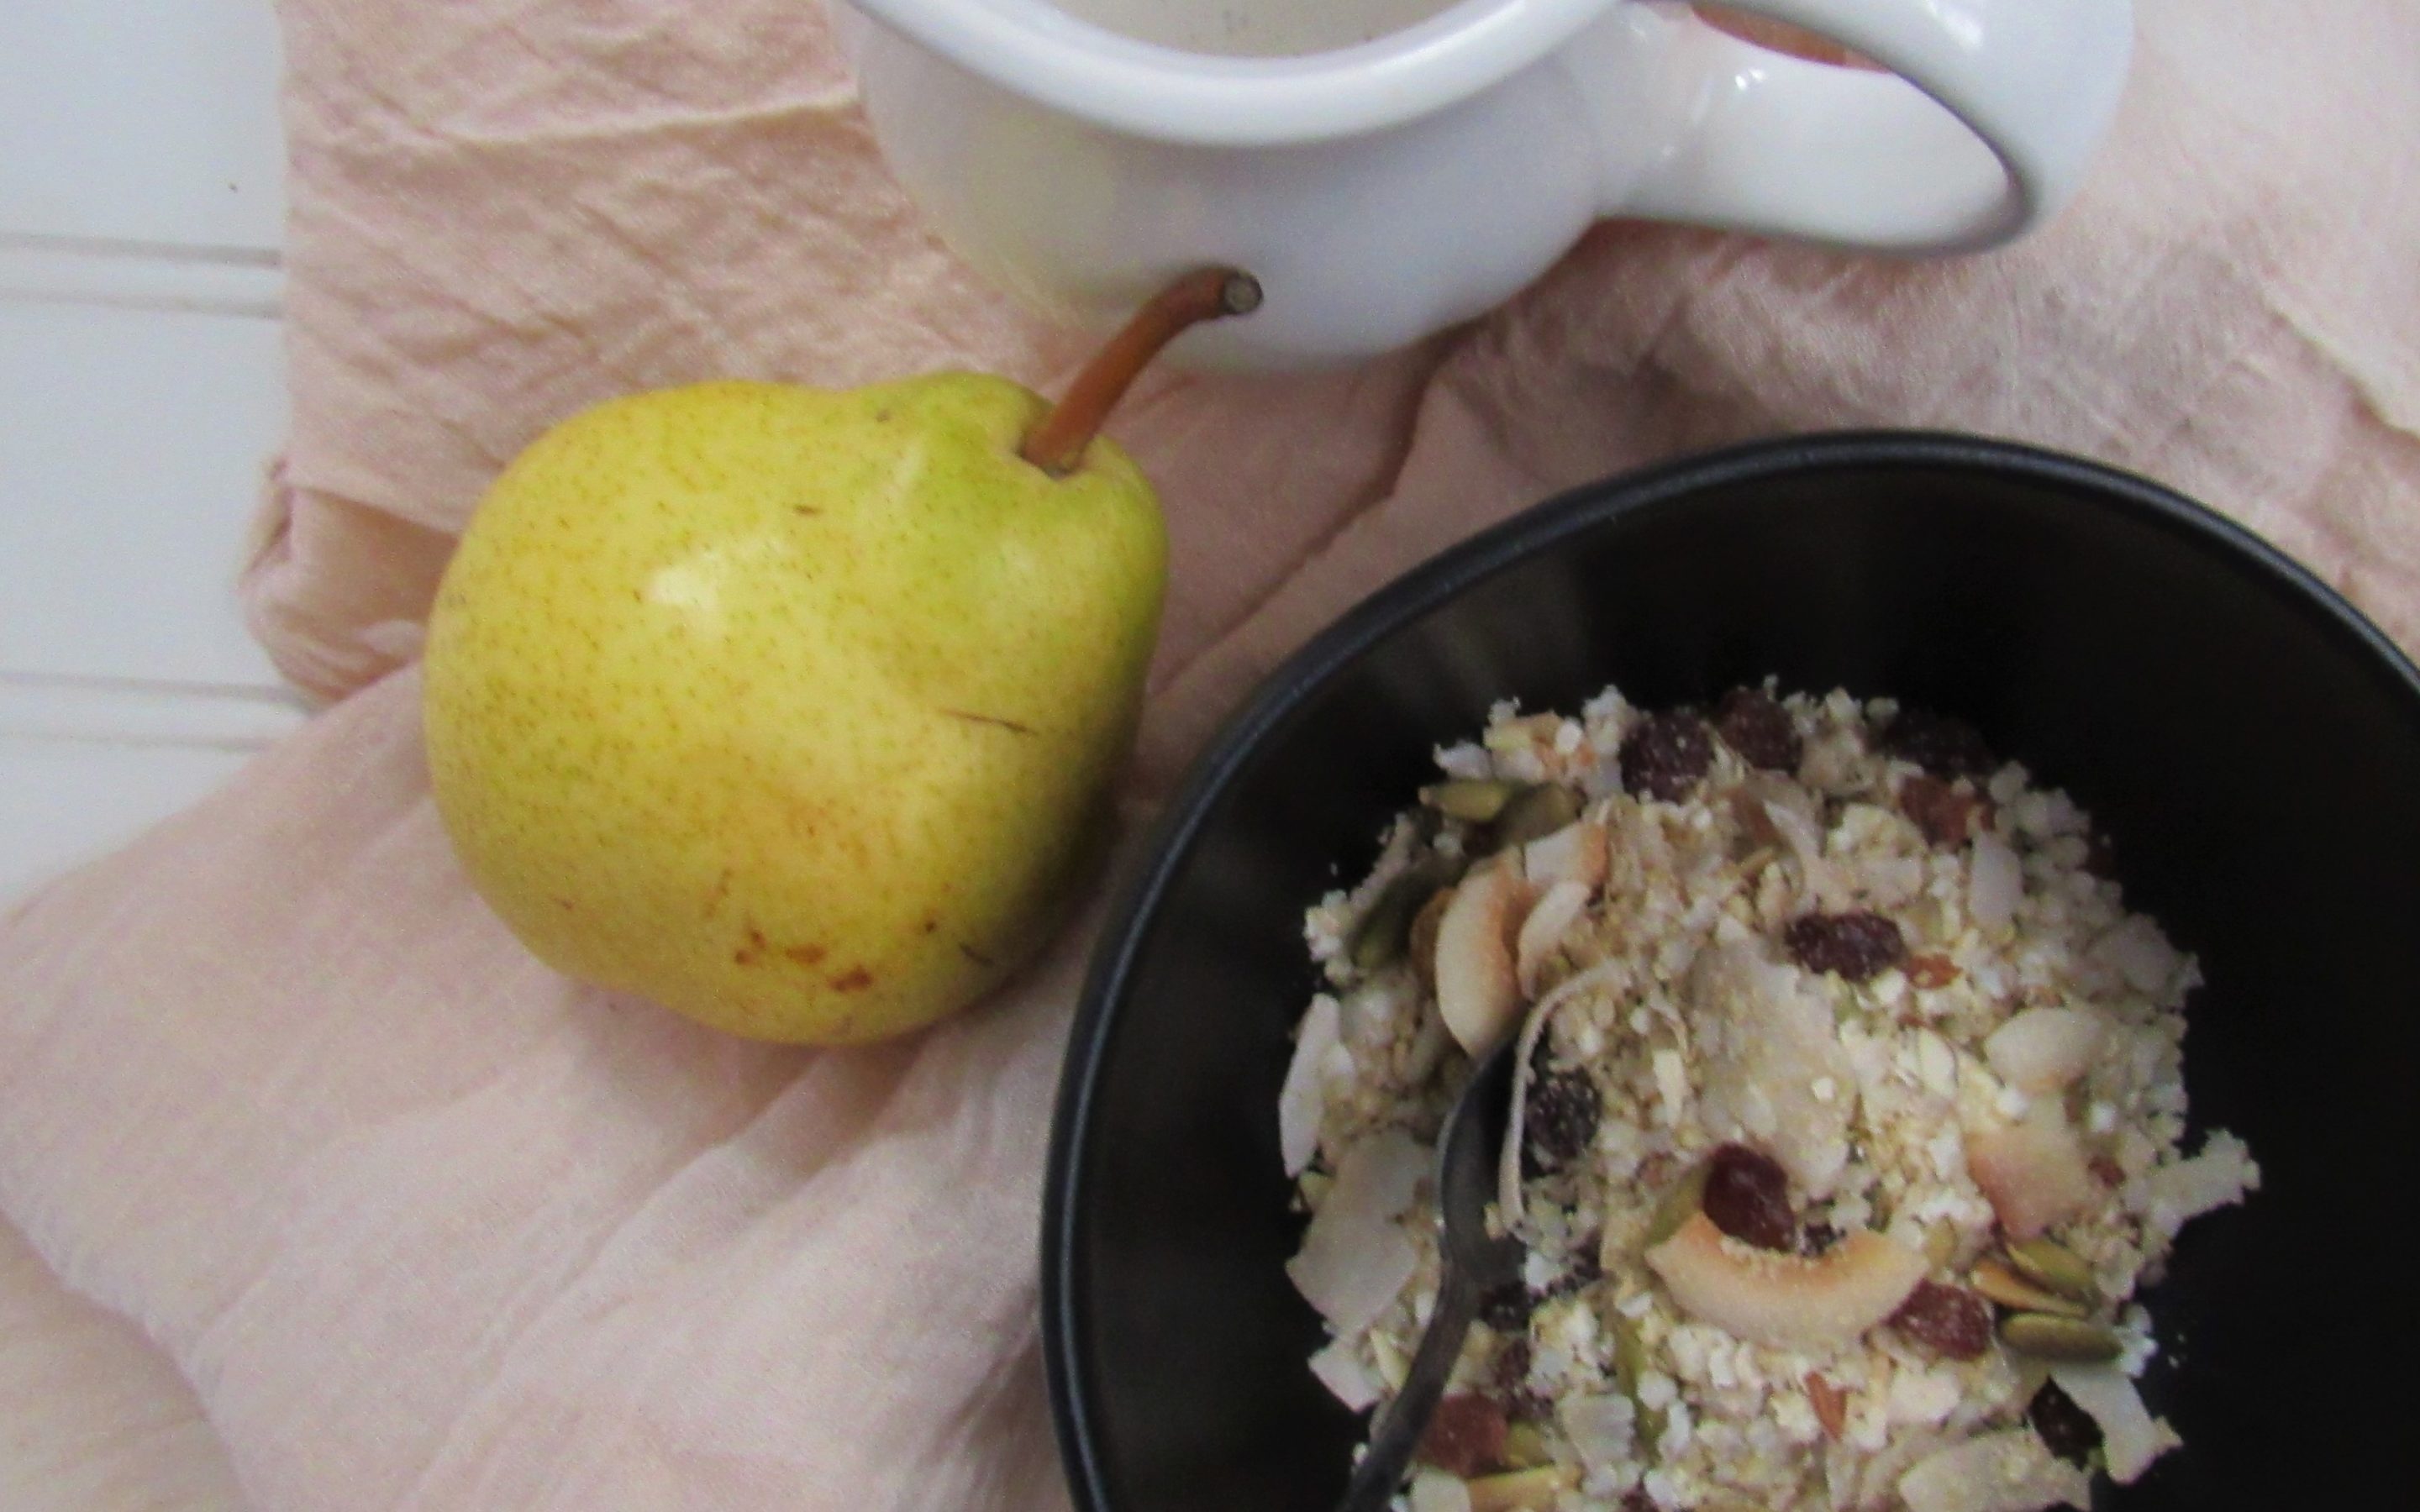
column 790, row 708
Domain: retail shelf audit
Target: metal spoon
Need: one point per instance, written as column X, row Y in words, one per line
column 1475, row 1264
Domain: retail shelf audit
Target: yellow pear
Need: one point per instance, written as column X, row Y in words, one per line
column 797, row 710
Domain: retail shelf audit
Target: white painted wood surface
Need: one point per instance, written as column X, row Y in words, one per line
column 141, row 394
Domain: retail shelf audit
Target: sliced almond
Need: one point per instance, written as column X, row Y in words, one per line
column 1786, row 1301
column 1541, row 932
column 2033, row 1171
column 1575, row 853
column 1477, row 989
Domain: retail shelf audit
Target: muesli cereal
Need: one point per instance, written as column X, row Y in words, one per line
column 1848, row 1118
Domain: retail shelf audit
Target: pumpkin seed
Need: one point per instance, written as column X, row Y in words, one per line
column 1534, row 814
column 1477, row 801
column 1385, row 931
column 1526, row 1447
column 1521, row 1491
column 1941, row 1242
column 1424, row 938
column 2010, row 1290
column 1687, row 1196
column 2055, row 1267
column 2067, row 1341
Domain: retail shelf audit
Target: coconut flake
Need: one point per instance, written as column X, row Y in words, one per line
column 1435, row 1490
column 1510, row 1199
column 1788, row 1301
column 2043, row 1049
column 1799, row 831
column 2008, row 1470
column 2130, row 1437
column 1575, row 853
column 1339, row 1368
column 1767, row 1041
column 1300, row 1100
column 1478, row 992
column 2136, row 950
column 2169, row 1196
column 1356, row 1256
column 1601, row 1429
column 1994, row 884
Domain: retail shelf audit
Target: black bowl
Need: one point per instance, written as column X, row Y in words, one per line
column 2250, row 742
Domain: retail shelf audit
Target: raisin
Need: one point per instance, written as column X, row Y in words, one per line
column 1944, row 746
column 1665, row 756
column 1464, row 1436
column 1859, row 946
column 1947, row 813
column 1753, row 723
column 1561, row 1119
column 1816, row 1238
column 1506, row 1310
column 1950, row 1322
column 1747, row 1196
column 2067, row 1431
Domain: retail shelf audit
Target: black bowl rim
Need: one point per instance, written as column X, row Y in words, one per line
column 1438, row 580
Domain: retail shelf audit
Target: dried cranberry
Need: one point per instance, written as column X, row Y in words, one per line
column 1943, row 746
column 1753, row 723
column 2067, row 1431
column 1506, row 1310
column 1464, row 1436
column 1665, row 756
column 1747, row 1196
column 1561, row 1119
column 1950, row 1322
column 1946, row 812
column 1636, row 1500
column 1932, row 971
column 1859, row 946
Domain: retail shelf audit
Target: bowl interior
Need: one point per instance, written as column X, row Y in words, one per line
column 2252, row 748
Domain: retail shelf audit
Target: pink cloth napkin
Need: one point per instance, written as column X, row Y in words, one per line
column 418, row 1224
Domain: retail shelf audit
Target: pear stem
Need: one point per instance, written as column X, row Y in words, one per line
column 1056, row 444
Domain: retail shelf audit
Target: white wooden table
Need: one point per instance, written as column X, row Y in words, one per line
column 141, row 390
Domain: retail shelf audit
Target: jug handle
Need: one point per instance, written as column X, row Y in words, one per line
column 1983, row 130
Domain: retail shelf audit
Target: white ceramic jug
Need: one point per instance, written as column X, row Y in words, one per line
column 1387, row 168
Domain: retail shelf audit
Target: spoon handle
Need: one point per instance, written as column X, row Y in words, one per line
column 1381, row 1470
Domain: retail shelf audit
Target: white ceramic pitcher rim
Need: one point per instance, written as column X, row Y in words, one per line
column 1143, row 89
